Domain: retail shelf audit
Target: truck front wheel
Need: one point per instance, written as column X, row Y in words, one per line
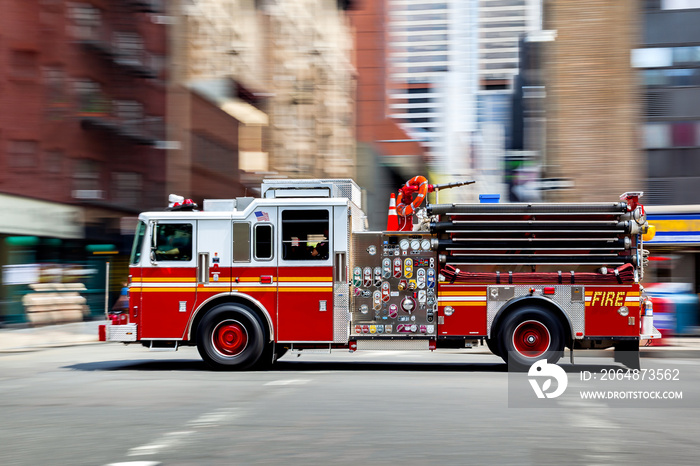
column 230, row 337
column 530, row 334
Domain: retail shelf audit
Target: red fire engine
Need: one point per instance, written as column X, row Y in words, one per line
column 247, row 279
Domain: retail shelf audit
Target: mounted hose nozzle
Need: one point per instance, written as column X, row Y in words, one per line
column 438, row 187
column 417, row 185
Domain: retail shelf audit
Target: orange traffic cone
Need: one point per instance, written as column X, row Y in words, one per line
column 392, row 223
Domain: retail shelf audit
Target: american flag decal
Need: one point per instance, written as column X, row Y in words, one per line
column 262, row 216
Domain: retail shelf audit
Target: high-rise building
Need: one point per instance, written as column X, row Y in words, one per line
column 668, row 63
column 502, row 24
column 386, row 155
column 432, row 76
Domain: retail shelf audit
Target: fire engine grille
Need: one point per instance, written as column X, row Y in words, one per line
column 392, row 344
column 121, row 332
column 341, row 313
column 562, row 296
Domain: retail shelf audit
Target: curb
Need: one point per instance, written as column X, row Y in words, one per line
column 51, row 336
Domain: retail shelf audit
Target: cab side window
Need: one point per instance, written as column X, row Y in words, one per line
column 305, row 235
column 263, row 241
column 173, row 242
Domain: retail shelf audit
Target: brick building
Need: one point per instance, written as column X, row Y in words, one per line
column 83, row 104
column 83, row 98
column 593, row 103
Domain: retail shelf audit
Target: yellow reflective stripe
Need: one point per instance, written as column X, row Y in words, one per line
column 463, row 293
column 165, row 279
column 305, row 279
column 328, row 288
column 463, row 303
column 160, row 289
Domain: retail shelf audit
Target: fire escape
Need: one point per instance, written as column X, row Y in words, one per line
column 117, row 41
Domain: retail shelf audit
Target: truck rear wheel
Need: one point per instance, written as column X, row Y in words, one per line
column 230, row 337
column 530, row 334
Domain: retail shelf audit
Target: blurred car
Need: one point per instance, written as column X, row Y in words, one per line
column 675, row 307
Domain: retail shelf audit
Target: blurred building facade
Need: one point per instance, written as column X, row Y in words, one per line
column 311, row 79
column 211, row 115
column 282, row 70
column 386, row 155
column 592, row 99
column 83, row 94
column 668, row 62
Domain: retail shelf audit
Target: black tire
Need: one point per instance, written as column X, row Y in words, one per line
column 529, row 334
column 494, row 345
column 230, row 337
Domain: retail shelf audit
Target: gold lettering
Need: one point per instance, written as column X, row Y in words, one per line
column 609, row 298
column 596, row 295
column 620, row 300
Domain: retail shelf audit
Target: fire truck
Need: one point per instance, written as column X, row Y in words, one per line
column 248, row 279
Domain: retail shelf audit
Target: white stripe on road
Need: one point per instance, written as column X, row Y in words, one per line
column 136, row 463
column 289, row 382
column 171, row 439
column 165, row 441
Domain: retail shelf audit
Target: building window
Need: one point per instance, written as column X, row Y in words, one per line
column 658, row 135
column 86, row 180
column 90, row 99
column 54, row 162
column 420, row 110
column 127, row 188
column 305, row 235
column 129, row 47
column 22, row 154
column 679, row 4
column 55, row 88
column 86, row 21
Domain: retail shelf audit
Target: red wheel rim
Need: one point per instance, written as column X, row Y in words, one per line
column 531, row 338
column 230, row 338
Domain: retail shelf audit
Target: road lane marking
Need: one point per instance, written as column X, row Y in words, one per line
column 288, row 382
column 165, row 441
column 136, row 463
column 171, row 439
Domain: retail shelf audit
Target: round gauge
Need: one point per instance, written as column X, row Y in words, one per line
column 425, row 245
column 372, row 250
column 415, row 244
column 403, row 244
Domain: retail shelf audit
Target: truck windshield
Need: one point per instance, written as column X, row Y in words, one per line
column 138, row 243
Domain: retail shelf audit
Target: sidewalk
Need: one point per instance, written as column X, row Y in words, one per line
column 51, row 336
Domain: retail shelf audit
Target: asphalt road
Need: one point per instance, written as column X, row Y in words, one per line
column 103, row 404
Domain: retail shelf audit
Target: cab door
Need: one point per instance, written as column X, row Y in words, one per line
column 168, row 280
column 305, row 274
